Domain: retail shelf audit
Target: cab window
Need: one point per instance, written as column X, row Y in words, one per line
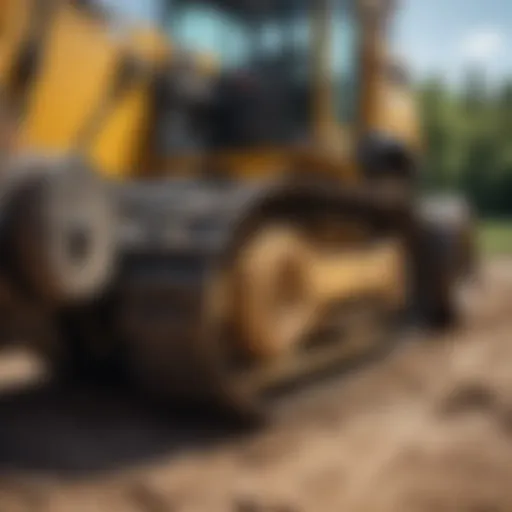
column 344, row 58
column 205, row 28
column 131, row 10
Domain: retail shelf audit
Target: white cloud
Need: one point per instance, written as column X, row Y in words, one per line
column 483, row 44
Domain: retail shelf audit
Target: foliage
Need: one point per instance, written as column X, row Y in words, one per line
column 468, row 136
column 495, row 237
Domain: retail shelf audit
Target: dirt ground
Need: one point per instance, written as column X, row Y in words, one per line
column 428, row 428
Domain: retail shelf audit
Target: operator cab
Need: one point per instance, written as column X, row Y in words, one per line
column 262, row 94
column 289, row 69
column 269, row 50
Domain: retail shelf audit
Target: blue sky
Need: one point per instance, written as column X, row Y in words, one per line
column 446, row 36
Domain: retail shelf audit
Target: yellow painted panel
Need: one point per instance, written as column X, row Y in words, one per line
column 369, row 271
column 119, row 144
column 397, row 115
column 256, row 164
column 77, row 70
column 242, row 164
column 265, row 164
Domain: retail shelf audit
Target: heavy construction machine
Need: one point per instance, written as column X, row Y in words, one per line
column 219, row 197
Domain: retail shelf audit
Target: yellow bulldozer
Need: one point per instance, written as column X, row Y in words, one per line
column 220, row 198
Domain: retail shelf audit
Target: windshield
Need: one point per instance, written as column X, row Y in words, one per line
column 264, row 44
column 240, row 36
column 344, row 60
column 132, row 10
column 204, row 28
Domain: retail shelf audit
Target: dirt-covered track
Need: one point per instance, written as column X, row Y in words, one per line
column 427, row 428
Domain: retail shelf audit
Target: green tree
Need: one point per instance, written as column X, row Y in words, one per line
column 468, row 135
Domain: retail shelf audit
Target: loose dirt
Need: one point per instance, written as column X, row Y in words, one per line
column 427, row 428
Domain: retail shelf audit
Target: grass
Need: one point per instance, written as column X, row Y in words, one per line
column 496, row 237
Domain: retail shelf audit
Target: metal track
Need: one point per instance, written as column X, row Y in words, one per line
column 176, row 239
